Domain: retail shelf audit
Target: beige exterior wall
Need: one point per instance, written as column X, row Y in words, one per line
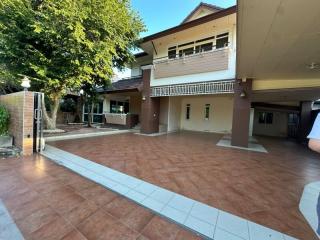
column 164, row 108
column 20, row 106
column 174, row 116
column 278, row 128
column 220, row 119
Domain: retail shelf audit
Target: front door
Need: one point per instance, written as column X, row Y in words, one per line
column 38, row 142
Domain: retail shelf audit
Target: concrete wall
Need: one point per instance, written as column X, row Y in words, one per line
column 20, row 106
column 278, row 128
column 220, row 119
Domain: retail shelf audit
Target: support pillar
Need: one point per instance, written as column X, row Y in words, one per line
column 150, row 107
column 241, row 113
column 305, row 120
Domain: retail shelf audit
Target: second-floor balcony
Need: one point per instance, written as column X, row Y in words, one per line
column 210, row 61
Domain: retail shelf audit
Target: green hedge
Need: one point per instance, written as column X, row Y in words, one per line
column 4, row 120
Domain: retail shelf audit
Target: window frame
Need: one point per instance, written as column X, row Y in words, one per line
column 198, row 45
column 207, row 108
column 188, row 111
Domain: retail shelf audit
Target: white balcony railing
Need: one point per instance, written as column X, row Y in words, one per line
column 214, row 87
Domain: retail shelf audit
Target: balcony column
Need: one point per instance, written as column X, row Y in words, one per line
column 150, row 106
column 305, row 121
column 241, row 113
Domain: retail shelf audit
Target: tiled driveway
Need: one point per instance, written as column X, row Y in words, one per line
column 47, row 201
column 264, row 188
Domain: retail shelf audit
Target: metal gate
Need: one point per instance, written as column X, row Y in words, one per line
column 38, row 141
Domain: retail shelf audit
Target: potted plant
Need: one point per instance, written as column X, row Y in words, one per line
column 5, row 138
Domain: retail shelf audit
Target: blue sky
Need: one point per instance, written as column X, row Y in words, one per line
column 159, row 15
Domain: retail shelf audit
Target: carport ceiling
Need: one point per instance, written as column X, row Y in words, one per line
column 286, row 95
column 278, row 39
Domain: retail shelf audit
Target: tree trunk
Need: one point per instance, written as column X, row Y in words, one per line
column 79, row 109
column 90, row 116
column 51, row 121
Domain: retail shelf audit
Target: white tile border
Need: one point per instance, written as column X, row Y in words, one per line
column 84, row 135
column 8, row 228
column 207, row 221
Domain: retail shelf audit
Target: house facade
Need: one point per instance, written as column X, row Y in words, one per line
column 187, row 78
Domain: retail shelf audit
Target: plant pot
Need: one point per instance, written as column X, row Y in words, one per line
column 6, row 141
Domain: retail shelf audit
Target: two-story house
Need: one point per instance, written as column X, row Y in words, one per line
column 186, row 79
column 188, row 73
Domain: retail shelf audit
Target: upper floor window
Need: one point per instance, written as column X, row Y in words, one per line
column 172, row 52
column 204, row 47
column 198, row 46
column 222, row 40
column 186, row 52
column 188, row 108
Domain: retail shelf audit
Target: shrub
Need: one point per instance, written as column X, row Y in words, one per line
column 4, row 120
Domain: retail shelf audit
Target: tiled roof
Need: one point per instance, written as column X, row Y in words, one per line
column 129, row 84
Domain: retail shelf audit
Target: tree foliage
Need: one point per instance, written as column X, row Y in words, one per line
column 4, row 120
column 65, row 44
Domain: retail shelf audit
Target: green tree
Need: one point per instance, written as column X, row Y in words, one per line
column 63, row 45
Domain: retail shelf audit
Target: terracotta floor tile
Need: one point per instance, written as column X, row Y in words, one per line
column 74, row 235
column 186, row 235
column 159, row 229
column 55, row 205
column 36, row 220
column 96, row 225
column 27, row 208
column 98, row 194
column 118, row 231
column 81, row 212
column 120, row 207
column 55, row 229
column 138, row 218
column 63, row 200
column 191, row 164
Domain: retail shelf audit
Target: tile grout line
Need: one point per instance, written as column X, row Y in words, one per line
column 60, row 154
column 156, row 212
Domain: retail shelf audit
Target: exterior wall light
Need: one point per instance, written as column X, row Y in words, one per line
column 25, row 83
column 143, row 98
column 243, row 94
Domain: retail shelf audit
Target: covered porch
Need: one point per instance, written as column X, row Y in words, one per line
column 119, row 105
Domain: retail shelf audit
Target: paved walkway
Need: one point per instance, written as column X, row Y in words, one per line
column 47, row 201
column 264, row 188
column 210, row 222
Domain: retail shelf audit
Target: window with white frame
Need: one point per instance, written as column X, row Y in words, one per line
column 198, row 46
column 206, row 112
column 188, row 109
column 222, row 40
